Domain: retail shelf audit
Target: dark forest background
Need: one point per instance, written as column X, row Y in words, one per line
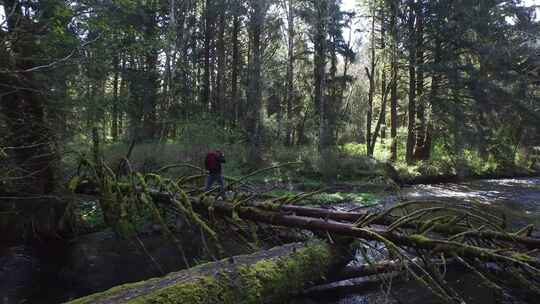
column 433, row 87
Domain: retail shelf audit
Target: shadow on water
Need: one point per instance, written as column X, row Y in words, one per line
column 30, row 273
column 410, row 292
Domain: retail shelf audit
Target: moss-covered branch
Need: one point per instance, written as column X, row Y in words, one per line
column 265, row 277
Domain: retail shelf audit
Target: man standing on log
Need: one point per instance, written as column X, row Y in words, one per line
column 213, row 162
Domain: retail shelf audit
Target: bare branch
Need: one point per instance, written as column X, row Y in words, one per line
column 54, row 63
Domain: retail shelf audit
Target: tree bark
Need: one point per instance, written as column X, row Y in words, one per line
column 151, row 77
column 320, row 47
column 421, row 127
column 370, row 73
column 290, row 72
column 254, row 93
column 220, row 82
column 384, row 79
column 235, row 100
column 393, row 88
column 411, row 134
column 114, row 118
column 208, row 36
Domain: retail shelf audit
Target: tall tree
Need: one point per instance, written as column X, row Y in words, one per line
column 320, row 46
column 209, row 20
column 289, row 8
column 370, row 73
column 27, row 57
column 394, row 8
column 254, row 127
column 221, row 60
column 411, row 134
column 421, row 126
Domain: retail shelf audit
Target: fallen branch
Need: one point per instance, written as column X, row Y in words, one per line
column 532, row 243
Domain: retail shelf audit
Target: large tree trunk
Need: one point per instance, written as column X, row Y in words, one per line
column 208, row 36
column 425, row 149
column 384, row 79
column 411, row 136
column 333, row 100
column 290, row 72
column 220, row 82
column 123, row 91
column 393, row 87
column 149, row 123
column 235, row 100
column 320, row 47
column 370, row 73
column 114, row 114
column 421, row 127
column 254, row 94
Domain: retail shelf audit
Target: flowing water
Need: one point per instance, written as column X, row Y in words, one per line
column 518, row 199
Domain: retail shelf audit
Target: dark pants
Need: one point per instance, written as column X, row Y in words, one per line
column 211, row 179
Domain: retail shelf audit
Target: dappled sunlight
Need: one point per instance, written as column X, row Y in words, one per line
column 517, row 198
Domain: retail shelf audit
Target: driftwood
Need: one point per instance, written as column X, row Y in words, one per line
column 269, row 276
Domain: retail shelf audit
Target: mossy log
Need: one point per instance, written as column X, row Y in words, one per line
column 269, row 276
column 384, row 220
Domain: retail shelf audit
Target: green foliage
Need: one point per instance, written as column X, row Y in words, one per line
column 360, row 198
column 327, row 198
column 92, row 215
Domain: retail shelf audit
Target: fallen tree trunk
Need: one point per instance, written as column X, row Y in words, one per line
column 387, row 220
column 532, row 243
column 390, row 238
column 269, row 276
column 474, row 245
column 360, row 285
column 364, row 270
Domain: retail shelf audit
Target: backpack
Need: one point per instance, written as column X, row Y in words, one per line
column 211, row 161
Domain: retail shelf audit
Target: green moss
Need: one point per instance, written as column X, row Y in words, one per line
column 522, row 257
column 267, row 281
column 204, row 290
column 418, row 238
column 361, row 198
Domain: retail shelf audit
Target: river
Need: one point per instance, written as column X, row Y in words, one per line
column 518, row 199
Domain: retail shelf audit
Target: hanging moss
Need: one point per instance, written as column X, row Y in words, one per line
column 269, row 277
